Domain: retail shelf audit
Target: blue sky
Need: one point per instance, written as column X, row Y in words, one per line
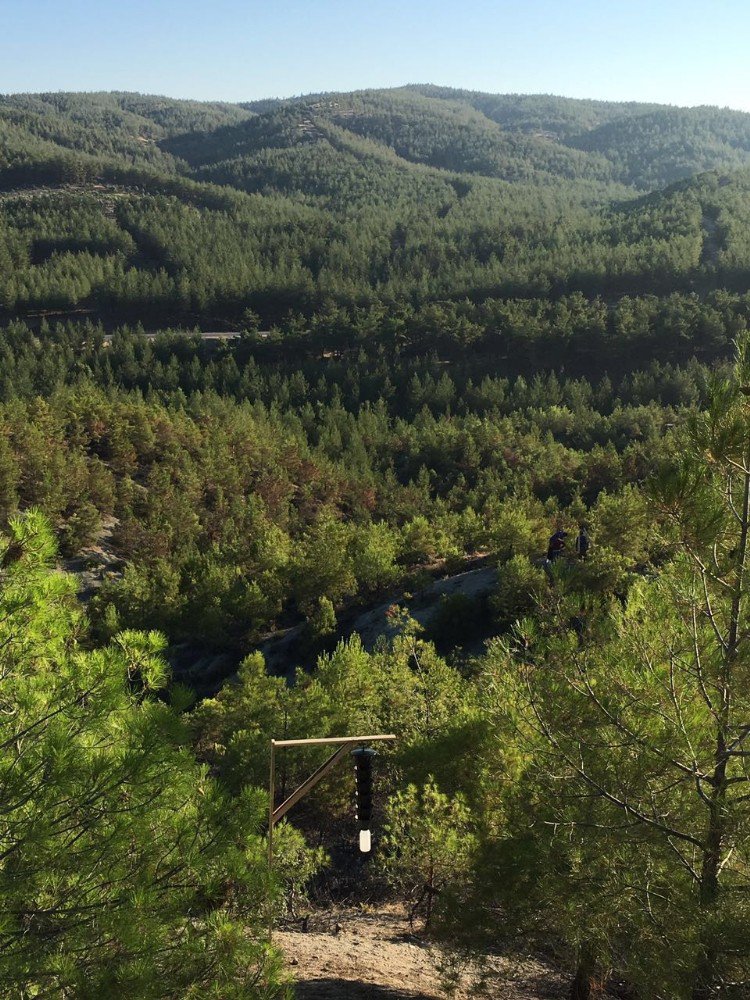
column 685, row 52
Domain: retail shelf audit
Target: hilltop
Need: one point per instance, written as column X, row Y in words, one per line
column 127, row 207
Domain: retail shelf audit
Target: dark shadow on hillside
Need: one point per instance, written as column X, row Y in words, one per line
column 541, row 986
column 344, row 989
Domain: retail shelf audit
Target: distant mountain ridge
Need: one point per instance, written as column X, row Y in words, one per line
column 143, row 207
column 673, row 142
column 644, row 146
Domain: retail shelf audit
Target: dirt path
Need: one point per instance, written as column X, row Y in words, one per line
column 280, row 650
column 360, row 955
column 95, row 563
column 422, row 606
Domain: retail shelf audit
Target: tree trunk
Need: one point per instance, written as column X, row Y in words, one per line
column 708, row 957
column 430, row 893
column 583, row 981
column 705, row 970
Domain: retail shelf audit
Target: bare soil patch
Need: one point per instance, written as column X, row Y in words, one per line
column 363, row 955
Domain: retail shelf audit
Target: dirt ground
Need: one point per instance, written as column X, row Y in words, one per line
column 367, row 955
column 279, row 649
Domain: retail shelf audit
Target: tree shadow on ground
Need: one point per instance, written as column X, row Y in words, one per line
column 345, row 989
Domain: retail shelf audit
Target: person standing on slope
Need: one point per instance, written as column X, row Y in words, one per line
column 582, row 542
column 556, row 545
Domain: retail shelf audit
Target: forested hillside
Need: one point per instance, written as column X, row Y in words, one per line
column 447, row 328
column 131, row 207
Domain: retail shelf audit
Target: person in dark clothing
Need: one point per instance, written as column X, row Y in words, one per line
column 556, row 545
column 582, row 542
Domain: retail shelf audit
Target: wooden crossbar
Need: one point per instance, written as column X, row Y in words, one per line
column 332, row 739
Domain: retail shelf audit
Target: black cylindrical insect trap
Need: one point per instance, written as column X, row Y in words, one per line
column 363, row 759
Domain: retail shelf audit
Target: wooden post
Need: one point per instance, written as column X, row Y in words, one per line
column 271, row 798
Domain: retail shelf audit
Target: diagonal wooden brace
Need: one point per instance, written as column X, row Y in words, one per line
column 310, row 782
